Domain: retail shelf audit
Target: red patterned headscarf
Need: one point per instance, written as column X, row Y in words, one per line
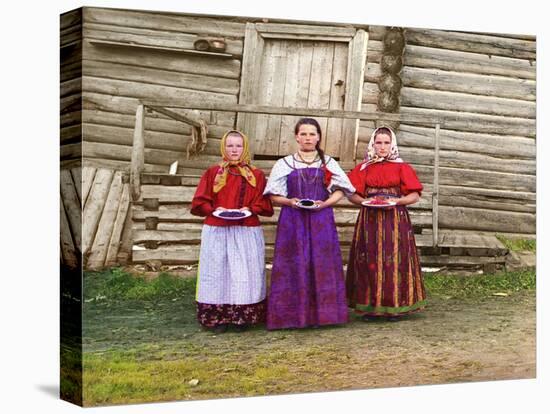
column 371, row 157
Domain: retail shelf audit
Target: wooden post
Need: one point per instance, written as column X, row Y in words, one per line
column 138, row 153
column 435, row 194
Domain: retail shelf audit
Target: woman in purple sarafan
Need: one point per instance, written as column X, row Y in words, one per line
column 307, row 280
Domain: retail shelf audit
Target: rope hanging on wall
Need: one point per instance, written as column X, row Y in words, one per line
column 198, row 139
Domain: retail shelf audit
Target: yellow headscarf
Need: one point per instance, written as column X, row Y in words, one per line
column 242, row 164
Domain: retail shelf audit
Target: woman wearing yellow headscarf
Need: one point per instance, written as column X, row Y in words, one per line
column 231, row 286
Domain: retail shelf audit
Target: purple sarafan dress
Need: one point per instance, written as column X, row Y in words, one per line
column 307, row 281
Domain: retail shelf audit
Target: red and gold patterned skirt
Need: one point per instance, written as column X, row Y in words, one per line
column 384, row 276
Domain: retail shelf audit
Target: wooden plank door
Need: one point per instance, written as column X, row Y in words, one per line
column 299, row 66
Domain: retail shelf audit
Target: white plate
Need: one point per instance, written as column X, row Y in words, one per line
column 313, row 207
column 386, row 204
column 218, row 212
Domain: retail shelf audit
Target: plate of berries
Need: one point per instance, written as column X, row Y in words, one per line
column 378, row 203
column 307, row 203
column 231, row 214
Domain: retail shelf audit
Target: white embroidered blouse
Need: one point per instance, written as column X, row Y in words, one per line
column 276, row 184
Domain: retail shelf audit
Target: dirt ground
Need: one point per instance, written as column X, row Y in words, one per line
column 489, row 338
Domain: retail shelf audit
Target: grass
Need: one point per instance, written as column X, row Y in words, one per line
column 116, row 284
column 475, row 286
column 518, row 245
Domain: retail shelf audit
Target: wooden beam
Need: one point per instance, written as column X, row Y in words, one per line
column 163, row 48
column 355, row 79
column 328, row 113
column 138, row 153
column 175, row 115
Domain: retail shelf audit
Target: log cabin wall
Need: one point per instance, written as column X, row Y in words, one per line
column 486, row 84
column 132, row 55
column 71, row 87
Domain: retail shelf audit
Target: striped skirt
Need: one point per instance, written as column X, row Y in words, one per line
column 231, row 286
column 384, row 276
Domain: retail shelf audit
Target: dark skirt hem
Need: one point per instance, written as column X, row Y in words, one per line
column 212, row 315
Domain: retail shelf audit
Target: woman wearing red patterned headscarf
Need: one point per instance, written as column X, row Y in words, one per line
column 384, row 278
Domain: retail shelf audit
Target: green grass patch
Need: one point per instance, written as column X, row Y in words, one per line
column 518, row 245
column 116, row 284
column 479, row 285
column 122, row 377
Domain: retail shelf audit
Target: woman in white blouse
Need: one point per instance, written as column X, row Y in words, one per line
column 307, row 281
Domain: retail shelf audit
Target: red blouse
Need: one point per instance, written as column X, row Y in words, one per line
column 232, row 195
column 383, row 175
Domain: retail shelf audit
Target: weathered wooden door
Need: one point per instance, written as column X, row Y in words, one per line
column 299, row 66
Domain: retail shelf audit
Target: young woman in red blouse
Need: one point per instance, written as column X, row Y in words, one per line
column 384, row 278
column 231, row 287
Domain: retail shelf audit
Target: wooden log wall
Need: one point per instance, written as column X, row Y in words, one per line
column 95, row 219
column 71, row 87
column 486, row 82
column 154, row 66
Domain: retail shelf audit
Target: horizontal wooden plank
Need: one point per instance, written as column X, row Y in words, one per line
column 176, row 132
column 468, row 160
column 275, row 110
column 199, row 65
column 480, row 123
column 504, row 87
column 373, row 72
column 70, row 134
column 457, row 239
column 167, row 194
column 370, row 95
column 71, row 103
column 303, row 29
column 460, row 261
column 487, row 199
column 375, row 50
column 152, row 37
column 486, row 220
column 165, row 21
column 153, row 140
column 497, row 145
column 466, row 62
column 160, row 157
column 70, row 18
column 465, row 102
column 480, row 179
column 376, row 32
column 70, row 119
column 146, row 91
column 189, row 254
column 468, row 42
column 70, row 87
column 159, row 76
column 180, row 213
column 127, row 106
column 70, row 71
column 70, row 151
